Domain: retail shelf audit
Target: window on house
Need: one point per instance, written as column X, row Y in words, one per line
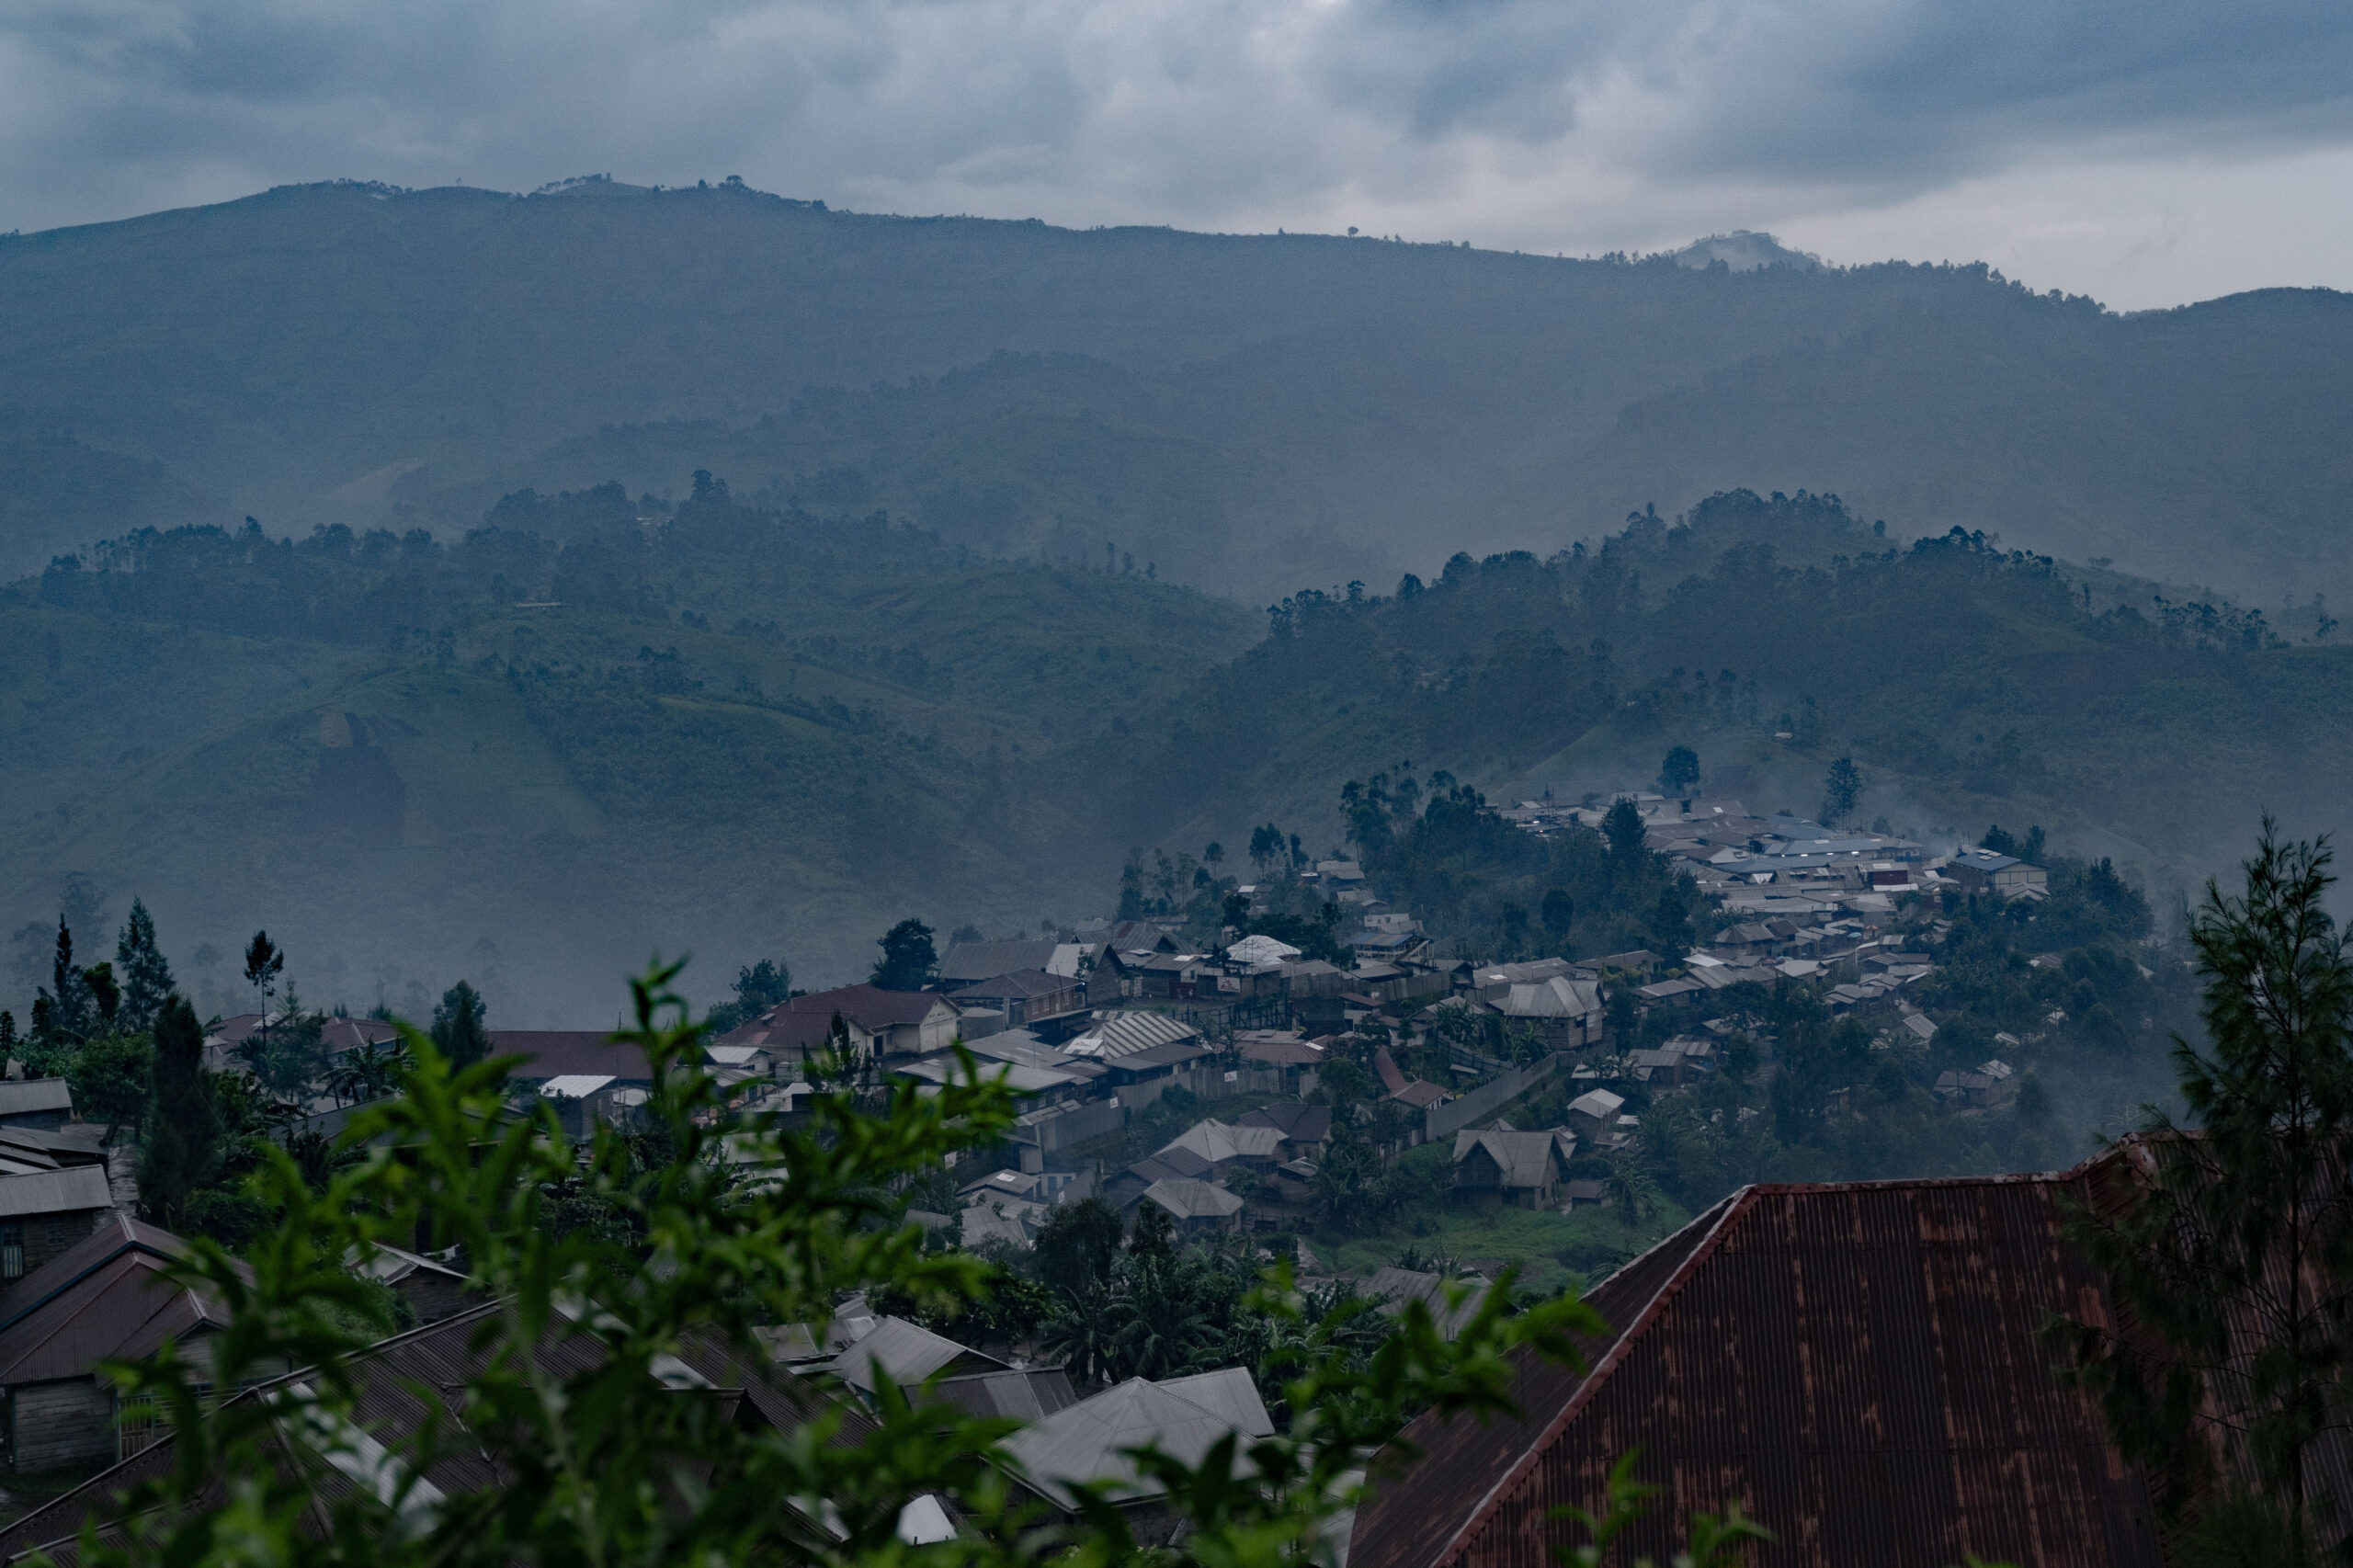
column 12, row 1251
column 136, row 1426
column 54, row 1234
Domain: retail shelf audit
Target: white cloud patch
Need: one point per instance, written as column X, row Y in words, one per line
column 1567, row 125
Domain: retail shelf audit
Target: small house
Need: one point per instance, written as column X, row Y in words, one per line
column 2003, row 876
column 1198, row 1206
column 1525, row 1169
column 1593, row 1115
column 102, row 1299
column 43, row 1102
column 43, row 1213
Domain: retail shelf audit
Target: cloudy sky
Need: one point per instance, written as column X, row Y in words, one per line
column 2146, row 152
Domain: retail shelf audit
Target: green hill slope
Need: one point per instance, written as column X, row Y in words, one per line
column 1266, row 407
column 749, row 734
column 533, row 758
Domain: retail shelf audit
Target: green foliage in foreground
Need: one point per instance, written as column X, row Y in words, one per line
column 2232, row 1255
column 607, row 1465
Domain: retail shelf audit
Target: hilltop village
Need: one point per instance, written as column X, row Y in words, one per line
column 1228, row 1106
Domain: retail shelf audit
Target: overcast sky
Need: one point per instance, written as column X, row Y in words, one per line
column 2146, row 152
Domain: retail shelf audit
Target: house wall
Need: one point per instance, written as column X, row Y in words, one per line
column 44, row 1236
column 52, row 1424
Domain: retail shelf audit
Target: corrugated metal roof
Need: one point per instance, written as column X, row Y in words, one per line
column 909, row 1354
column 1858, row 1364
column 1013, row 1395
column 1216, row 1142
column 986, row 960
column 1188, row 1197
column 1086, row 1442
column 73, row 1190
column 560, row 1053
column 1119, row 1034
column 101, row 1298
column 34, row 1096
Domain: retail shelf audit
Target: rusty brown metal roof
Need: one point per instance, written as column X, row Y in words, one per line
column 396, row 1379
column 1856, row 1363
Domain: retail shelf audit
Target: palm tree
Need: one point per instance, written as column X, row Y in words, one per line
column 1164, row 1330
column 1081, row 1332
column 1631, row 1190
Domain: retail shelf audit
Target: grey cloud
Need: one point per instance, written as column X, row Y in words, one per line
column 1194, row 112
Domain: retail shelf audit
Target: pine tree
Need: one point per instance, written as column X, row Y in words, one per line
column 69, row 994
column 1840, row 791
column 2234, row 1256
column 178, row 1157
column 140, row 968
column 458, row 1029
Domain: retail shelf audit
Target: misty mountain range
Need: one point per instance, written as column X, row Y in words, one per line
column 948, row 624
column 1243, row 413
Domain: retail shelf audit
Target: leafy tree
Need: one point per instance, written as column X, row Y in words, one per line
column 146, row 977
column 1154, row 1233
column 1840, row 789
column 8, row 1041
column 2233, row 1251
column 459, row 1033
column 1077, row 1246
column 2032, row 848
column 1557, row 912
column 908, row 961
column 1678, row 772
column 759, row 987
column 112, row 1079
column 106, row 996
column 179, row 1154
column 1999, row 842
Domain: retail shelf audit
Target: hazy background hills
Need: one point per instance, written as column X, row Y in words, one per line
column 497, row 687
column 532, row 760
column 1244, row 413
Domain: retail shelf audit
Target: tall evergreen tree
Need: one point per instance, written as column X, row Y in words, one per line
column 181, row 1130
column 1840, row 789
column 459, row 1031
column 69, row 994
column 145, row 977
column 2233, row 1250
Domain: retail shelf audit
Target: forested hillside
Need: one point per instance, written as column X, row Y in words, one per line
column 1243, row 413
column 568, row 738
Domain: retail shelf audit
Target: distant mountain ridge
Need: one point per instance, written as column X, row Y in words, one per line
column 1246, row 411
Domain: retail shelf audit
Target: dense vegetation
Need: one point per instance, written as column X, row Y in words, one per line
column 1244, row 410
column 491, row 754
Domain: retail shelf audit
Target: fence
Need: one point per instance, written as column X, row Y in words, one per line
column 1062, row 1125
column 1445, row 1119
